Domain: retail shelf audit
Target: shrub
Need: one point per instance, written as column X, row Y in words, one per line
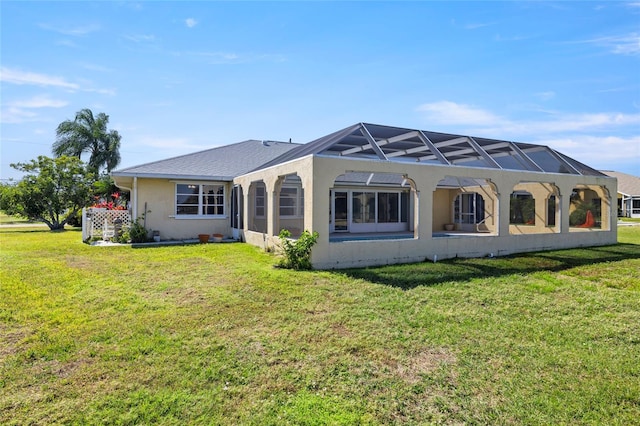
column 297, row 252
column 137, row 232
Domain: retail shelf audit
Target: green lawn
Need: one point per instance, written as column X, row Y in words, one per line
column 214, row 334
column 13, row 220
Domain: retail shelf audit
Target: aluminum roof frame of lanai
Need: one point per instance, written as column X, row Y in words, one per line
column 385, row 143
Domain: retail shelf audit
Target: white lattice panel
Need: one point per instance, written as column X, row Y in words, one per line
column 100, row 222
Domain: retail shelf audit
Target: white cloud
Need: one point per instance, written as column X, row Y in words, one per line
column 478, row 25
column 597, row 151
column 545, row 96
column 478, row 120
column 21, row 111
column 217, row 58
column 190, row 22
column 598, row 139
column 447, row 112
column 14, row 76
column 625, row 44
column 140, row 38
column 39, row 102
column 72, row 31
column 13, row 115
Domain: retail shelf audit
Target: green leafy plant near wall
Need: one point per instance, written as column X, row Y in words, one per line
column 137, row 232
column 579, row 215
column 297, row 253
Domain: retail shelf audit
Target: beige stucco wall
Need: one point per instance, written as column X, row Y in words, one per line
column 158, row 195
column 442, row 205
column 318, row 175
column 540, row 191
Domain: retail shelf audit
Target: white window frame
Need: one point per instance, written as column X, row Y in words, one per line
column 202, row 200
column 298, row 202
column 373, row 226
column 262, row 197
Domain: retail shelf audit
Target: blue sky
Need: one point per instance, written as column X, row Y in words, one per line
column 178, row 77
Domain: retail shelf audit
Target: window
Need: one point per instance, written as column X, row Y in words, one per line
column 469, row 208
column 380, row 207
column 194, row 199
column 364, row 207
column 551, row 211
column 291, row 201
column 388, row 207
column 522, row 209
column 260, row 201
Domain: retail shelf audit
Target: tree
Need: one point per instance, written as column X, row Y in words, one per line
column 89, row 134
column 52, row 191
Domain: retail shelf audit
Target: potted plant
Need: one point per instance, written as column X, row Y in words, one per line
column 217, row 238
column 204, row 238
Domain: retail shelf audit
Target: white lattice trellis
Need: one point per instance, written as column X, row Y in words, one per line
column 98, row 222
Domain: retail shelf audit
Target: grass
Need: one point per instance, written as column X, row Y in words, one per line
column 13, row 220
column 214, row 334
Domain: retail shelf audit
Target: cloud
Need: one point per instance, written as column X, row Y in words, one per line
column 13, row 115
column 478, row 25
column 38, row 102
column 233, row 58
column 20, row 111
column 602, row 152
column 478, row 120
column 545, row 96
column 14, row 76
column 446, row 112
column 190, row 22
column 600, row 139
column 77, row 31
column 95, row 67
column 140, row 38
column 625, row 44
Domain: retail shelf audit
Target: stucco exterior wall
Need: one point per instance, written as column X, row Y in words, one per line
column 442, row 202
column 540, row 191
column 158, row 195
column 318, row 176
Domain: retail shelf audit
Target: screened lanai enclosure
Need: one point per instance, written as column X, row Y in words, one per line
column 379, row 194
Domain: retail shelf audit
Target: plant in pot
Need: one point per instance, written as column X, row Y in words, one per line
column 217, row 238
column 204, row 238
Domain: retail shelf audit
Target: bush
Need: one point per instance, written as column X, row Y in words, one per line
column 137, row 232
column 579, row 215
column 75, row 220
column 297, row 252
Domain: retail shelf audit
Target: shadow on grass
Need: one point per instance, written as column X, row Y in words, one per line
column 409, row 276
column 37, row 228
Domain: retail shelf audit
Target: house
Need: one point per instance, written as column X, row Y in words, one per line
column 380, row 195
column 628, row 194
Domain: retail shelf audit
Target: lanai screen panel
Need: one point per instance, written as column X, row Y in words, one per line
column 385, row 143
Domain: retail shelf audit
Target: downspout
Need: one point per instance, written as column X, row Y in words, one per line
column 134, row 198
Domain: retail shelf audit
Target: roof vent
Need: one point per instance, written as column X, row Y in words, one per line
column 265, row 143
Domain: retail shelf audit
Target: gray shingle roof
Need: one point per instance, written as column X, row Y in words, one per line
column 627, row 184
column 220, row 163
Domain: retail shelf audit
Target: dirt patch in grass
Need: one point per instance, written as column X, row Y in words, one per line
column 10, row 340
column 426, row 362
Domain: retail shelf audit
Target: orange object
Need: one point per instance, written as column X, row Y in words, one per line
column 589, row 221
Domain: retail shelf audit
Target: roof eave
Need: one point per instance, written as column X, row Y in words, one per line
column 173, row 176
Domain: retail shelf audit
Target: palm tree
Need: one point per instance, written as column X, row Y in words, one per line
column 89, row 134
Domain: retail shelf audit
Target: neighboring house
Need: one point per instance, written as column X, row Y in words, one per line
column 379, row 194
column 628, row 194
